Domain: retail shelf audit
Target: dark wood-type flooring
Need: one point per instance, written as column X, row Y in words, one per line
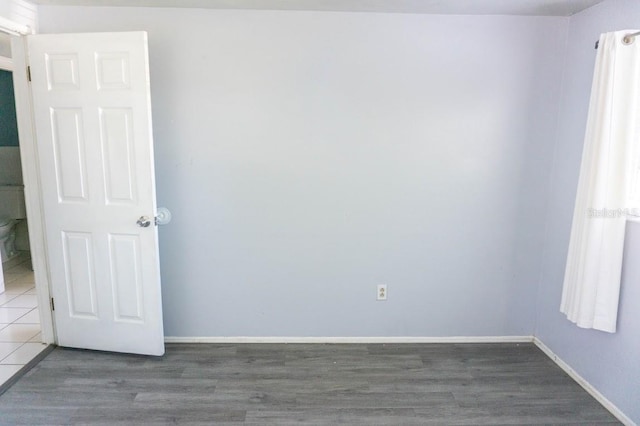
column 372, row 384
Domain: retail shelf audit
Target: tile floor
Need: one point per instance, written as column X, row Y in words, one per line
column 19, row 319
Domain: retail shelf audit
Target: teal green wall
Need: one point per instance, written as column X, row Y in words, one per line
column 8, row 123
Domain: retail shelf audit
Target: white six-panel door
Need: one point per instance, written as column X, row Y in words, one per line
column 95, row 150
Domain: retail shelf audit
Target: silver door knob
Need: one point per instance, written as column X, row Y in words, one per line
column 144, row 222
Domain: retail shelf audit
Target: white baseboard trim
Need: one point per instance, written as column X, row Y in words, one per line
column 585, row 384
column 402, row 339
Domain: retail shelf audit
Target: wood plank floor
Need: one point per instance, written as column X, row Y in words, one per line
column 393, row 384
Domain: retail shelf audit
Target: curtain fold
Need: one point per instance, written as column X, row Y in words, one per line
column 609, row 164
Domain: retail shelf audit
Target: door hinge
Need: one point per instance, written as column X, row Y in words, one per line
column 29, row 73
column 53, row 305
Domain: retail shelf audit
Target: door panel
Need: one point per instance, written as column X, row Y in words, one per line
column 95, row 148
column 62, row 71
column 80, row 280
column 126, row 278
column 69, row 156
column 119, row 168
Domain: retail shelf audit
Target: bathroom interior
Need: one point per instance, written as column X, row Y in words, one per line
column 13, row 224
column 19, row 318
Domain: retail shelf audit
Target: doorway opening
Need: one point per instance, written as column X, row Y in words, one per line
column 20, row 329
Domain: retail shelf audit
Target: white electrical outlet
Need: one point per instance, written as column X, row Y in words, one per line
column 382, row 292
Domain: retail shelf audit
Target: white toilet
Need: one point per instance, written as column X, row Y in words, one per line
column 12, row 211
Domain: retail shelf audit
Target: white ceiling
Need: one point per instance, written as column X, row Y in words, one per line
column 449, row 7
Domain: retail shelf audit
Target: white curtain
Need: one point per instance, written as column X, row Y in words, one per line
column 607, row 174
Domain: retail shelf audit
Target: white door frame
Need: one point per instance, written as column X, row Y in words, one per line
column 30, row 173
column 32, row 188
column 6, row 64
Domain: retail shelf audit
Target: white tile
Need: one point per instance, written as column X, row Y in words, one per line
column 20, row 268
column 22, row 301
column 12, row 288
column 9, row 315
column 37, row 338
column 32, row 291
column 23, row 354
column 33, row 317
column 18, row 275
column 4, row 298
column 19, row 332
column 25, row 279
column 7, row 347
column 9, row 278
column 7, row 371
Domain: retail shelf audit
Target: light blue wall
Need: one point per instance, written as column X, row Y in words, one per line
column 8, row 123
column 309, row 156
column 610, row 362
